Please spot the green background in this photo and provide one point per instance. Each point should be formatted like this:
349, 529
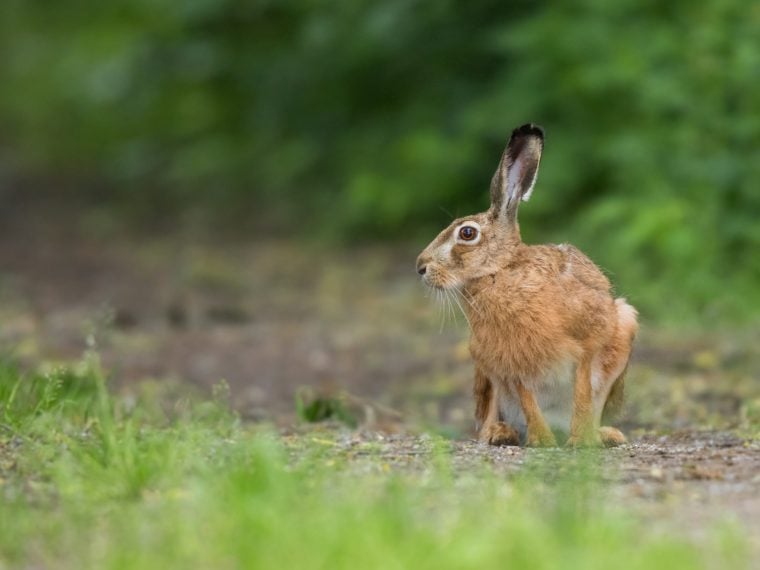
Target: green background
338, 121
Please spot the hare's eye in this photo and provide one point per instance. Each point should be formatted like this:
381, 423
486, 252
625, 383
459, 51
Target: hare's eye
468, 233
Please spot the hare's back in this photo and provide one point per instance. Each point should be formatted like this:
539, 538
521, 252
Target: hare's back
579, 266
562, 265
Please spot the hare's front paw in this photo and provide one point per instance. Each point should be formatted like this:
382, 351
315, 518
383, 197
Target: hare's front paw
499, 433
587, 439
541, 438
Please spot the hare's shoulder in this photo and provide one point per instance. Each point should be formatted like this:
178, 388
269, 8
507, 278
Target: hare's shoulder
566, 262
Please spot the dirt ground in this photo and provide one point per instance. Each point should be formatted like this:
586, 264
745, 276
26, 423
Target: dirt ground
276, 320
691, 480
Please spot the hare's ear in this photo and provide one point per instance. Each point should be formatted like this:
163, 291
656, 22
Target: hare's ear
516, 175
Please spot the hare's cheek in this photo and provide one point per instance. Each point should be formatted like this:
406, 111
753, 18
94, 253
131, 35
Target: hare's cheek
462, 256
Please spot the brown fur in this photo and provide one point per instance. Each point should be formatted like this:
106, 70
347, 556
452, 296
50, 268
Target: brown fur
614, 404
532, 308
481, 389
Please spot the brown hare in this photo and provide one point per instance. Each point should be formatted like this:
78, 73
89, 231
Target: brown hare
549, 341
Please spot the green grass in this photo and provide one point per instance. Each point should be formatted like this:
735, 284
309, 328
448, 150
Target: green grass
88, 480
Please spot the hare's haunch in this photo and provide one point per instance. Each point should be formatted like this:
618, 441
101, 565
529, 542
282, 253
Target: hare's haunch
549, 340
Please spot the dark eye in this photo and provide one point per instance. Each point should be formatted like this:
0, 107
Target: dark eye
468, 233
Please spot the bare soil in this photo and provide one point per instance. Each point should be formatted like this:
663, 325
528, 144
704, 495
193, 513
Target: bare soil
690, 480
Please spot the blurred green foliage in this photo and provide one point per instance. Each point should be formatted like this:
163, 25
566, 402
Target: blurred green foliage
366, 118
317, 409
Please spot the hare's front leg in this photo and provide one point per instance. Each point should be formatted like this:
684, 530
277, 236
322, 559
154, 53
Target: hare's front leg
539, 432
582, 429
492, 430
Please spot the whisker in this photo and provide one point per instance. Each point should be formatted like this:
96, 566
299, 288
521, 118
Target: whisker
445, 211
473, 301
439, 295
464, 314
453, 297
470, 299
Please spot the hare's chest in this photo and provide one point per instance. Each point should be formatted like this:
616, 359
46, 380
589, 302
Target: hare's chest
513, 345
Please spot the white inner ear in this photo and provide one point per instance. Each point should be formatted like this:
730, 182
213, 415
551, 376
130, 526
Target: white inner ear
529, 191
475, 225
514, 178
514, 175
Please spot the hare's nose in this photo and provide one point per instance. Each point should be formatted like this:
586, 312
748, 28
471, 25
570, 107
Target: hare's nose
422, 263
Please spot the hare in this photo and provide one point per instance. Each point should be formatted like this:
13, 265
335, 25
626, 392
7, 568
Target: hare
550, 343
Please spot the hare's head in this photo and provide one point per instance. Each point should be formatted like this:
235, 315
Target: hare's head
478, 245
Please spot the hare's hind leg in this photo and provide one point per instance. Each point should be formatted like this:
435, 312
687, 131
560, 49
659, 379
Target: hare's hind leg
592, 391
492, 430
608, 397
611, 437
582, 432
609, 407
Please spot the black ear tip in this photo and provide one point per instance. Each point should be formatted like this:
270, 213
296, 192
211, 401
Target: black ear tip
528, 129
